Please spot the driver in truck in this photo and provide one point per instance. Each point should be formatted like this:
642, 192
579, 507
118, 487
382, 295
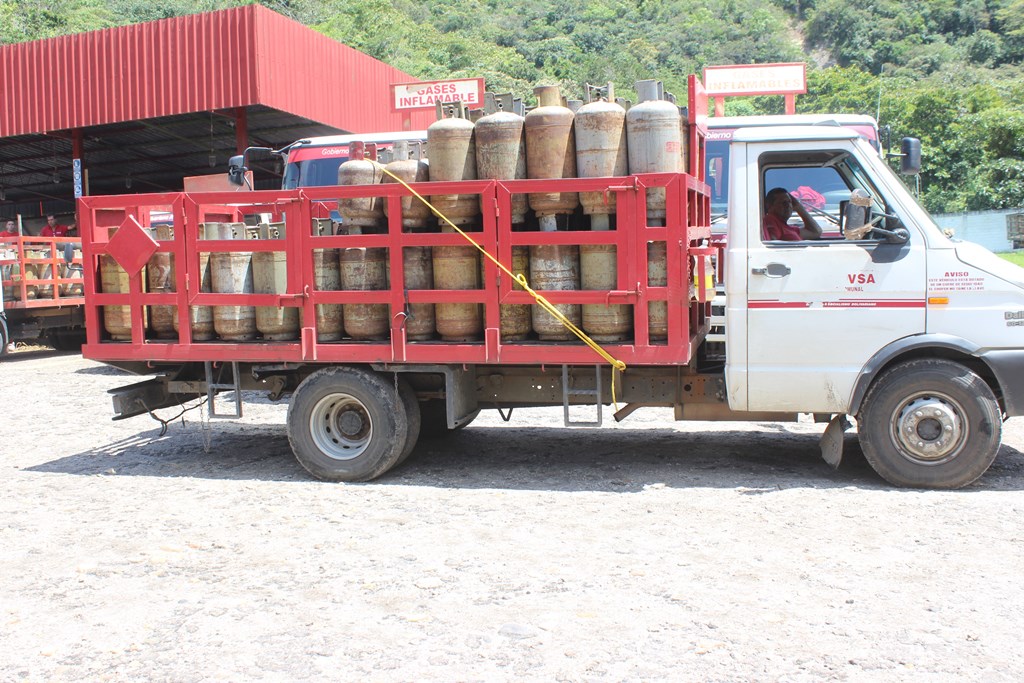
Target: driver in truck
779, 205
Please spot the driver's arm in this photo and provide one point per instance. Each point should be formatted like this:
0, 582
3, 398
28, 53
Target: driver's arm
811, 229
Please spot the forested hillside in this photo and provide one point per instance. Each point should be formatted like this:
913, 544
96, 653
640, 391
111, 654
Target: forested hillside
951, 73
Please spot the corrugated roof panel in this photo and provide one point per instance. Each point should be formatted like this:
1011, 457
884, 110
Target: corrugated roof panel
219, 60
341, 87
186, 64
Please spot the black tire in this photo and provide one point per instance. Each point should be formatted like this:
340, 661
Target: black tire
67, 340
434, 415
412, 413
930, 424
347, 424
5, 338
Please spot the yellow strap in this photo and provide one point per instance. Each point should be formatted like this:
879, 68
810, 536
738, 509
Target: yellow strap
521, 280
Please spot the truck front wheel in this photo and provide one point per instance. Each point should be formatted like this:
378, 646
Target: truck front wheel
347, 424
930, 424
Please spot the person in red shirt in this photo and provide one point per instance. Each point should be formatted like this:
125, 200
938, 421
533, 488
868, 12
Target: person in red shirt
53, 228
779, 205
10, 230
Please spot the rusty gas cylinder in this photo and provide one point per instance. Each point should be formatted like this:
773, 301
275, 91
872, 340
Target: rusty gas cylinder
160, 278
200, 317
600, 152
655, 146
417, 262
501, 154
29, 271
73, 271
550, 153
43, 271
453, 158
457, 268
364, 269
657, 276
327, 278
231, 273
364, 212
410, 168
598, 270
117, 320
516, 322
9, 272
270, 276
555, 267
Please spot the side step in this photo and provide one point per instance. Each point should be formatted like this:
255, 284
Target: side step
212, 389
568, 391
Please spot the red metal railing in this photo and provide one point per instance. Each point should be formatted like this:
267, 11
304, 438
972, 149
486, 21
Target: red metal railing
686, 233
34, 274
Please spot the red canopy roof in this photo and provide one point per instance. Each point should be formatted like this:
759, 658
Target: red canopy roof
219, 60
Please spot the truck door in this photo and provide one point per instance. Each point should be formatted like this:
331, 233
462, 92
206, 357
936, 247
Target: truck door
817, 310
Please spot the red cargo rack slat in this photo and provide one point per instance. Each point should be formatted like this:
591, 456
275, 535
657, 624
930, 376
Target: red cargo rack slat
685, 233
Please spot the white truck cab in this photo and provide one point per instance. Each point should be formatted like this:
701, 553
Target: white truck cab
918, 336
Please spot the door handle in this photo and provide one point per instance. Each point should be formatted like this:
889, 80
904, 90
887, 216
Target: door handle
773, 270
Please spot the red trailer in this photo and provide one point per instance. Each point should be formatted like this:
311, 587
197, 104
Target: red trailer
41, 296
357, 405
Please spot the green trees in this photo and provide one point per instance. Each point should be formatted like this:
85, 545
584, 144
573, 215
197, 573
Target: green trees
948, 71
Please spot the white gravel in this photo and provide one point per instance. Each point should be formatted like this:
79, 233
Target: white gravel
646, 551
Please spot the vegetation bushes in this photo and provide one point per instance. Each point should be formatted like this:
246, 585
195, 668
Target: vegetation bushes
948, 71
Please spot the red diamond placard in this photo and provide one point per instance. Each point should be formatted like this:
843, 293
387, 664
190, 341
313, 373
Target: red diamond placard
131, 246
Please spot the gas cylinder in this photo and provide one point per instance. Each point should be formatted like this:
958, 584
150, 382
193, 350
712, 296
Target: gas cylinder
550, 153
70, 271
600, 151
452, 158
654, 142
270, 276
159, 276
30, 271
457, 268
200, 317
555, 267
43, 271
327, 278
117, 320
364, 269
417, 263
364, 212
411, 169
598, 270
657, 276
231, 273
501, 151
8, 272
515, 318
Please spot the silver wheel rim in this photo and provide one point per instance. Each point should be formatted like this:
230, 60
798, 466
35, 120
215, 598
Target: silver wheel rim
929, 428
340, 426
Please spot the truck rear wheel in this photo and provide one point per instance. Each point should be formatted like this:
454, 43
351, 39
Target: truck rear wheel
412, 414
930, 424
347, 424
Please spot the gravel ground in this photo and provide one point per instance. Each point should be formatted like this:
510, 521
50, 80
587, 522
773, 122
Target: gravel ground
644, 551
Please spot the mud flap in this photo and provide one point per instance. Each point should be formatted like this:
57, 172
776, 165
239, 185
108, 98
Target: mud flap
831, 442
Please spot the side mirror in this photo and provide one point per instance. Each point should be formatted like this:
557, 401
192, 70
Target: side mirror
910, 156
238, 165
236, 170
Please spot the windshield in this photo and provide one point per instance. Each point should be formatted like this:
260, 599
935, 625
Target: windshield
312, 172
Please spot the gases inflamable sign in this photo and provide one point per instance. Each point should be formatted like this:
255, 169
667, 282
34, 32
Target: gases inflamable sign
469, 91
756, 79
